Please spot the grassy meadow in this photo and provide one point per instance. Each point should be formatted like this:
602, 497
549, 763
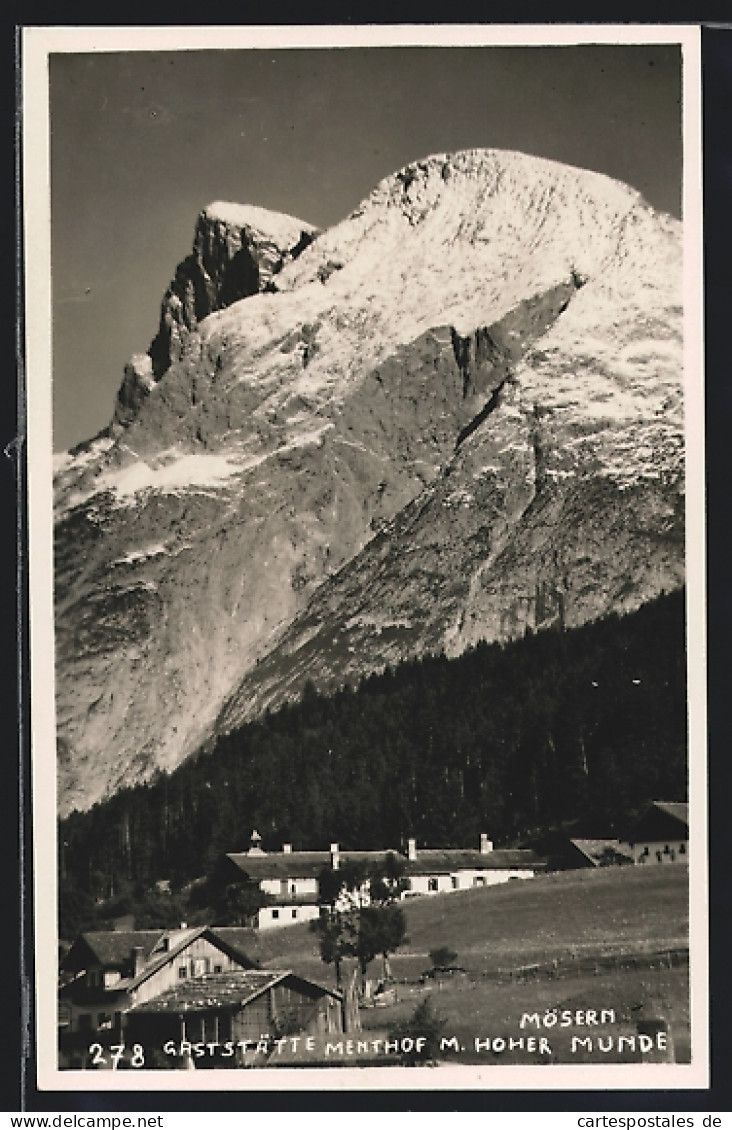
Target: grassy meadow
572, 940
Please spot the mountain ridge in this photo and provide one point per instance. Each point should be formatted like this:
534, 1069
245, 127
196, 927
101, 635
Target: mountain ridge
459, 389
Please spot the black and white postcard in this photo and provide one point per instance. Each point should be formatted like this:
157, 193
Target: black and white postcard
366, 530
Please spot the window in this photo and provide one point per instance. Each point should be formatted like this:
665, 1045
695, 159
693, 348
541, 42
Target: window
218, 967
283, 886
93, 978
454, 881
479, 881
682, 849
104, 1020
433, 883
275, 913
659, 856
294, 913
182, 972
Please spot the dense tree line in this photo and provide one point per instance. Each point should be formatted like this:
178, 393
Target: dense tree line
572, 728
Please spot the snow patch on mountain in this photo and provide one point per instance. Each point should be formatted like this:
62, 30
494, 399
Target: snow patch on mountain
187, 472
279, 226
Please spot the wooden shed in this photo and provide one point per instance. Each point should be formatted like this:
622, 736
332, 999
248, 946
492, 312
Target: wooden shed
224, 1020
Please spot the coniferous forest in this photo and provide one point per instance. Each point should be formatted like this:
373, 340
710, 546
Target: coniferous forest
565, 729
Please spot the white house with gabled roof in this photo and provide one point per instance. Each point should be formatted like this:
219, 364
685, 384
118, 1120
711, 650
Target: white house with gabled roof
290, 878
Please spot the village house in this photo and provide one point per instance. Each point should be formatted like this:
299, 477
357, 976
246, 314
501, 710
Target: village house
106, 972
660, 835
233, 1019
290, 879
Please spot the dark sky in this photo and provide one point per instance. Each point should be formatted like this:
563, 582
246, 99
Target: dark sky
141, 141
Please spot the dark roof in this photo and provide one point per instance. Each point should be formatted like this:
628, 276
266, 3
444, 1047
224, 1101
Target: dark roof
593, 850
216, 990
212, 936
662, 820
110, 948
433, 861
282, 865
679, 810
110, 944
309, 864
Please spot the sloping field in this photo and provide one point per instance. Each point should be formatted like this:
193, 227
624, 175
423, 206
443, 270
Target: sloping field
570, 913
604, 912
609, 939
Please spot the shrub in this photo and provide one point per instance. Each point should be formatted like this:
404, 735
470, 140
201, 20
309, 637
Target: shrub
424, 1024
442, 956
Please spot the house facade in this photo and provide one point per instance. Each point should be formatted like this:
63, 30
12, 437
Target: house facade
660, 835
290, 878
105, 973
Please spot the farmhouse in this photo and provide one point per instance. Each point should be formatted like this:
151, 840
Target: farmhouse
432, 871
290, 878
106, 972
660, 835
235, 1019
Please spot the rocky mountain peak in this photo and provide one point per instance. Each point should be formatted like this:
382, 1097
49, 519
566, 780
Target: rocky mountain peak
456, 415
237, 251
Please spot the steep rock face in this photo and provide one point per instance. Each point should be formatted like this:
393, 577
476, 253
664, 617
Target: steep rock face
237, 251
455, 415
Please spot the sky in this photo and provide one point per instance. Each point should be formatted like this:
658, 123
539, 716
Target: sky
141, 141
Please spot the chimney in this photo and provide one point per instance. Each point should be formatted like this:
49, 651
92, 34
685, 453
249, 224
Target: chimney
486, 845
411, 849
287, 849
138, 961
335, 857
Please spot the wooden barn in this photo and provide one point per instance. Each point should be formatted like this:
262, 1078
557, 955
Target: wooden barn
233, 1019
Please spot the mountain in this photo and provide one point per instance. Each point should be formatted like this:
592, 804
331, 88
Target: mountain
456, 415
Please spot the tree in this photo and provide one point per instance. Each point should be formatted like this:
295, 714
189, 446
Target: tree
360, 917
382, 929
386, 880
222, 902
342, 894
237, 904
334, 944
75, 910
158, 909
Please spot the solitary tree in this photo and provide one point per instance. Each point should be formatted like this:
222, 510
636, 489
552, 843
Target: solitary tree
382, 930
359, 916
